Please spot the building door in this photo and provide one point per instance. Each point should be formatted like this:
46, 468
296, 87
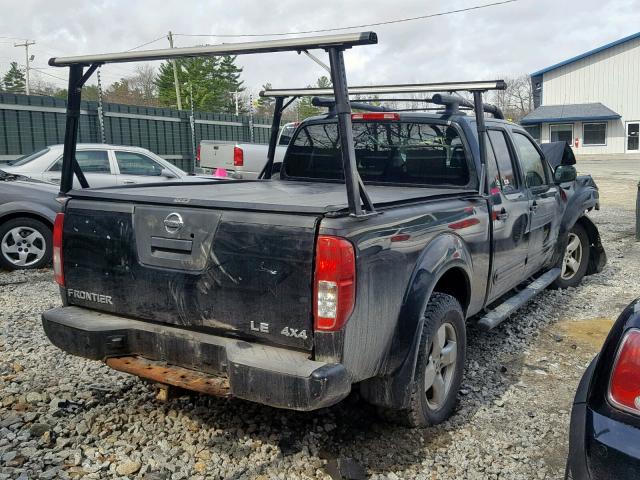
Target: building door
633, 137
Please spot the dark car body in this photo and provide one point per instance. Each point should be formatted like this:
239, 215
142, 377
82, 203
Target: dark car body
604, 441
232, 293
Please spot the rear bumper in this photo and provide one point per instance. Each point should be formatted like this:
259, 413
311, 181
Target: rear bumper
270, 375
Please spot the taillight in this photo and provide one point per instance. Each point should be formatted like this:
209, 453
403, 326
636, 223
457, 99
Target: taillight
58, 271
335, 283
624, 386
375, 116
238, 157
198, 154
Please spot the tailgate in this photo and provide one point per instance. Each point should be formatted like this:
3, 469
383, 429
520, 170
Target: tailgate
241, 274
213, 155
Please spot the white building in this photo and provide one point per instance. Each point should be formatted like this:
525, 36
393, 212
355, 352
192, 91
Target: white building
591, 100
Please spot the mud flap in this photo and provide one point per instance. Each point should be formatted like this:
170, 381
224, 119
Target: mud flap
597, 255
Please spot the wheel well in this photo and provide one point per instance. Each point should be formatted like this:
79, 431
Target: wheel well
454, 282
34, 216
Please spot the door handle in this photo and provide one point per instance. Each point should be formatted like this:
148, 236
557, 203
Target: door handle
503, 215
128, 182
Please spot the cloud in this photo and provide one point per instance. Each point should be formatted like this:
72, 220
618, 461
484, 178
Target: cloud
498, 41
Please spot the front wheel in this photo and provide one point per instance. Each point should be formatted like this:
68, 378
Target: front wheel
440, 364
575, 260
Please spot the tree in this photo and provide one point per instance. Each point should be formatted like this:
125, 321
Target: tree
305, 107
207, 83
265, 105
230, 81
14, 80
517, 100
144, 82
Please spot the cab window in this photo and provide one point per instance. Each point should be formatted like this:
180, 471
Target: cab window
535, 175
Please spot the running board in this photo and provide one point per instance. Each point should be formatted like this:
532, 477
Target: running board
502, 311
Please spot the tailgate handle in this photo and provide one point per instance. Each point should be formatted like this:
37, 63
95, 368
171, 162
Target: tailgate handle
171, 245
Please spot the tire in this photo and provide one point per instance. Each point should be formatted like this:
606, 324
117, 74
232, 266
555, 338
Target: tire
25, 243
575, 261
443, 318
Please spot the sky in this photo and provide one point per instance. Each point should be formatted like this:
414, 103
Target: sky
494, 42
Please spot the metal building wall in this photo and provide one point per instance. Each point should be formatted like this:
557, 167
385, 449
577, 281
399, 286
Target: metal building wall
29, 123
611, 77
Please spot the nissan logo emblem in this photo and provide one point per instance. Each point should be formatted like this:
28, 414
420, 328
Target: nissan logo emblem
173, 223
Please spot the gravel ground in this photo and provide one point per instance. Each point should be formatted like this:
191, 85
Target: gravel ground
64, 417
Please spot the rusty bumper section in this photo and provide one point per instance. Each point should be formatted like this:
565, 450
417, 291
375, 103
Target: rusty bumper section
167, 354
171, 375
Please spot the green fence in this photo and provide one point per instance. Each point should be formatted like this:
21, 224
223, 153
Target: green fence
29, 123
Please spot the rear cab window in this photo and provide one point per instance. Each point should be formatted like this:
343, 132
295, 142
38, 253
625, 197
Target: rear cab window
387, 152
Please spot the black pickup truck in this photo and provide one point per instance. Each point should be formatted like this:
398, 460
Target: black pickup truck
272, 291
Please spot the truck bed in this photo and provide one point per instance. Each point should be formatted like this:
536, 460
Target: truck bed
279, 196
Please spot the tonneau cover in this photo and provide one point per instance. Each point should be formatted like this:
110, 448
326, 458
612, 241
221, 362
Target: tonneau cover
280, 196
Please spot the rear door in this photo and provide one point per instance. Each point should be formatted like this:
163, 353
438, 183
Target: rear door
544, 202
135, 167
94, 164
510, 215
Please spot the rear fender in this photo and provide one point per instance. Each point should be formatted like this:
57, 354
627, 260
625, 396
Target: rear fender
445, 253
27, 209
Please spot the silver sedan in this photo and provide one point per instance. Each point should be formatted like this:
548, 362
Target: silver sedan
103, 165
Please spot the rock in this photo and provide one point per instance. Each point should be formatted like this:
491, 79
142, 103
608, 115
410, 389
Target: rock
38, 429
82, 428
51, 473
345, 468
128, 467
7, 457
33, 397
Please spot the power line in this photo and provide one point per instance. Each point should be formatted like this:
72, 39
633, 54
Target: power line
364, 25
40, 70
147, 43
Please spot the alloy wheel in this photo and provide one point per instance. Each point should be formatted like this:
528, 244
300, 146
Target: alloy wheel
23, 246
441, 366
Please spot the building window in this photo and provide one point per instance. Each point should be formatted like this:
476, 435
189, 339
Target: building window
594, 134
534, 131
561, 132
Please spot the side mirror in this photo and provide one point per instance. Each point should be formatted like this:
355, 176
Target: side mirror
564, 173
165, 172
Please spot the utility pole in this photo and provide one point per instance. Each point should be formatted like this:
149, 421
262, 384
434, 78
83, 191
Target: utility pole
175, 73
235, 95
26, 45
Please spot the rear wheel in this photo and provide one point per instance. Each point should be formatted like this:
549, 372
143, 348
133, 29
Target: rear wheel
575, 260
25, 243
440, 365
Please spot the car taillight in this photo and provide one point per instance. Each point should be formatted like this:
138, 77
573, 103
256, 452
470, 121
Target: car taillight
335, 283
58, 271
198, 154
238, 157
624, 386
375, 116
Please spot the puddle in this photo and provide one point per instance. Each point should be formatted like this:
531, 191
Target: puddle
591, 332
